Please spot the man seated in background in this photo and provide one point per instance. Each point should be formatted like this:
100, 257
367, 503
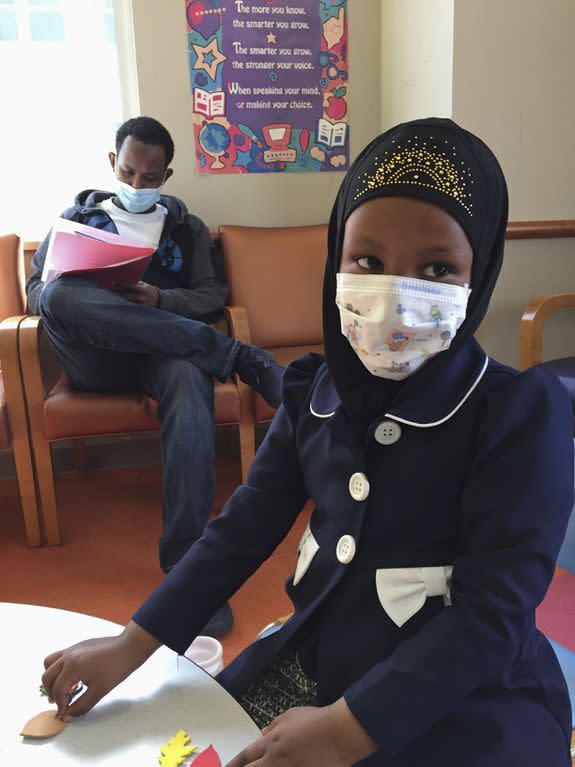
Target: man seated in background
152, 336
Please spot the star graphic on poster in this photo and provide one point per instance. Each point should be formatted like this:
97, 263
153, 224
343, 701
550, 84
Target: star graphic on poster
271, 38
209, 58
243, 158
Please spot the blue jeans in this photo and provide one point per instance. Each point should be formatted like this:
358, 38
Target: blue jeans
109, 344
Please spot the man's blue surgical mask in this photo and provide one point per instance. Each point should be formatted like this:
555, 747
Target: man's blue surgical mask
137, 200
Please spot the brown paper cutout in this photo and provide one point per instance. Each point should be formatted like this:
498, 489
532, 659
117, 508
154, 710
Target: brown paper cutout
43, 725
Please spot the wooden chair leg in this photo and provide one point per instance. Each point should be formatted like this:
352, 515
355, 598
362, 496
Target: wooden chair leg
46, 490
247, 447
12, 379
28, 338
80, 456
26, 484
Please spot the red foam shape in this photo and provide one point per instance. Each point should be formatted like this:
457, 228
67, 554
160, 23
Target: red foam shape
207, 758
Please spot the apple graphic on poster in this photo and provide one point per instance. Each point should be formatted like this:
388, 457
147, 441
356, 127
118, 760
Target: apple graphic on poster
336, 108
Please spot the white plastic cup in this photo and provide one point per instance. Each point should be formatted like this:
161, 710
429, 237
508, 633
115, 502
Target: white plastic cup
208, 653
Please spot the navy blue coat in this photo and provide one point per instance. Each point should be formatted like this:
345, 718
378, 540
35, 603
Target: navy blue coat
464, 492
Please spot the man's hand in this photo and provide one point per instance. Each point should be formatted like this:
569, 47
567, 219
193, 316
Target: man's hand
138, 292
309, 737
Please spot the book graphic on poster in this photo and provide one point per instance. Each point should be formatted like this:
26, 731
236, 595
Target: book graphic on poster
331, 134
105, 257
209, 104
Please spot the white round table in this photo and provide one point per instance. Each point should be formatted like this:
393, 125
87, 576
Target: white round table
128, 727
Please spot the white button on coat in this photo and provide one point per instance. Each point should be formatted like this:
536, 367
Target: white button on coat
387, 433
345, 550
358, 486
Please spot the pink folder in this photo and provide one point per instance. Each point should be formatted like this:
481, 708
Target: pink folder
106, 257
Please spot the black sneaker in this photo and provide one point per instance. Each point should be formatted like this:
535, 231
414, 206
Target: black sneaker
220, 623
260, 370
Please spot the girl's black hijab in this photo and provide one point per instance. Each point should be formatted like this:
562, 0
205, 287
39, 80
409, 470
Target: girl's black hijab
436, 161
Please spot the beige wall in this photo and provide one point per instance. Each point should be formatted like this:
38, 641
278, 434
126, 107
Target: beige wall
513, 65
270, 200
503, 69
416, 59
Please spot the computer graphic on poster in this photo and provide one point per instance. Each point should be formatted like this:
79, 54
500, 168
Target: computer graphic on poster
269, 85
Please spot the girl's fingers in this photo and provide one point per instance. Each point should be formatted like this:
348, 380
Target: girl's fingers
249, 755
272, 725
61, 690
51, 674
85, 702
52, 658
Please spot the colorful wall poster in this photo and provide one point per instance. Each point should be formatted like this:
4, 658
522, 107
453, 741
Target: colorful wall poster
269, 82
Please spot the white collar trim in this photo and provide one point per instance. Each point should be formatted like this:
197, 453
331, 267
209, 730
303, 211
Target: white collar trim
414, 423
455, 409
320, 415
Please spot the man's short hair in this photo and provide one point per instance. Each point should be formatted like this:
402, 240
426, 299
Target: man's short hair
148, 131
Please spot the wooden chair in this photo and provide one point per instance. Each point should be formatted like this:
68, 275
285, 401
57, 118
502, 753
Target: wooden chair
13, 422
531, 353
56, 412
275, 277
531, 339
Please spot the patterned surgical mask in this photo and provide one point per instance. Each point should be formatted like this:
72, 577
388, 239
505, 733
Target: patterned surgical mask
396, 324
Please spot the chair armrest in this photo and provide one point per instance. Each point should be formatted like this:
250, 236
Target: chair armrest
29, 344
9, 360
531, 327
18, 424
12, 382
9, 332
237, 318
222, 325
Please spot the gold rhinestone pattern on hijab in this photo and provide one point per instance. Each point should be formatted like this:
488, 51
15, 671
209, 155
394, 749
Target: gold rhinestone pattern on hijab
426, 162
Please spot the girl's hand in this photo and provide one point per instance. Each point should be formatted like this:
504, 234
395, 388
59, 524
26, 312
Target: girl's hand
100, 664
310, 737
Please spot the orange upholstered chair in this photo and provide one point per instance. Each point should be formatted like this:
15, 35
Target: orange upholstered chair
13, 422
56, 412
275, 276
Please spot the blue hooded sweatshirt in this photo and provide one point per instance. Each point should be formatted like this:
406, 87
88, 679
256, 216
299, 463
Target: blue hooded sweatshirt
186, 268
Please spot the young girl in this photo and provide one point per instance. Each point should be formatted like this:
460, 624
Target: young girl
442, 483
